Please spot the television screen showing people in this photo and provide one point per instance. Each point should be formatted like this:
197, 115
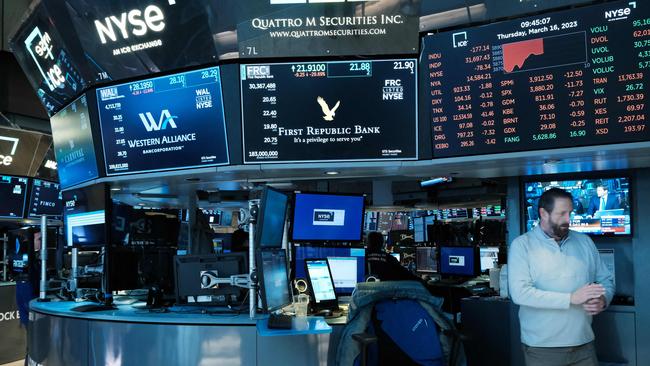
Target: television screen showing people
601, 206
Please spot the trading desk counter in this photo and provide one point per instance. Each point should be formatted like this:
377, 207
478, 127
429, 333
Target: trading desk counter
130, 336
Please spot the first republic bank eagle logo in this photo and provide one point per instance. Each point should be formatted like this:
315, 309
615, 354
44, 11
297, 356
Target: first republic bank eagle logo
328, 114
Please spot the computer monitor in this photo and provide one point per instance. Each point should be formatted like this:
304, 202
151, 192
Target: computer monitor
419, 229
344, 273
340, 270
426, 260
274, 279
13, 193
271, 219
321, 285
327, 217
195, 276
85, 216
45, 199
458, 261
489, 258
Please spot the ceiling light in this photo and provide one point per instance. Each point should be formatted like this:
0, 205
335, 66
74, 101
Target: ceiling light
332, 172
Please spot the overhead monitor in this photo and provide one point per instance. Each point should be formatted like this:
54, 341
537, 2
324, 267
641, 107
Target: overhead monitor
272, 215
555, 80
214, 216
301, 28
274, 279
458, 261
489, 258
165, 123
601, 205
347, 264
45, 199
426, 259
329, 111
52, 64
127, 39
85, 216
13, 193
74, 144
327, 217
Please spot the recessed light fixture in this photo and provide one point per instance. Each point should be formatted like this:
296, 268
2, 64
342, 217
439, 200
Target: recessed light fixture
332, 172
140, 204
115, 189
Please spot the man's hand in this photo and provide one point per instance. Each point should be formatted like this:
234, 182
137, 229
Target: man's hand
586, 293
595, 306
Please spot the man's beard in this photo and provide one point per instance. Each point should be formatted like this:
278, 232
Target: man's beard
560, 230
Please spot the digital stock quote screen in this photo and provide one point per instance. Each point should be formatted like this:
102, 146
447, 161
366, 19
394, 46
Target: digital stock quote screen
329, 111
169, 122
564, 79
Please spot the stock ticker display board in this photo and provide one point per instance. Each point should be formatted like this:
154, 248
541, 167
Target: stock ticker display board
564, 79
164, 123
329, 111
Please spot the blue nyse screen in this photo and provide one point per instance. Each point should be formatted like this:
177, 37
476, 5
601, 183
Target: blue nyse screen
323, 217
164, 123
73, 144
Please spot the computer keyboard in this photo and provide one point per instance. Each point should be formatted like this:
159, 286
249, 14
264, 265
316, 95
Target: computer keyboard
280, 321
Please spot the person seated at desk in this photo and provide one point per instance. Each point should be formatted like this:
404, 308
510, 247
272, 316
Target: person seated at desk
602, 201
381, 264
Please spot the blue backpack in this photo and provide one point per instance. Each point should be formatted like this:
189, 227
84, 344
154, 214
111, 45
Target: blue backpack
406, 335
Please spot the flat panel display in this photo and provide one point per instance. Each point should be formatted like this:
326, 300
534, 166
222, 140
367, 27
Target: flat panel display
290, 28
13, 192
21, 151
41, 46
458, 261
85, 216
272, 215
601, 206
426, 259
347, 264
169, 122
565, 79
124, 39
73, 144
489, 258
272, 265
329, 111
45, 199
325, 217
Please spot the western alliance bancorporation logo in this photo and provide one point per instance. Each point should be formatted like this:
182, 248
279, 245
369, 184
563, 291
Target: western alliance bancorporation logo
166, 119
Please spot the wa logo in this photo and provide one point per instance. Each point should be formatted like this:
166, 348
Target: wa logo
166, 119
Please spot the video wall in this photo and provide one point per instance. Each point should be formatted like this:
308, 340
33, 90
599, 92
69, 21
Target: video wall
555, 80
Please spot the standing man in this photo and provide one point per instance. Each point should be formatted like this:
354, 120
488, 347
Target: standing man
557, 278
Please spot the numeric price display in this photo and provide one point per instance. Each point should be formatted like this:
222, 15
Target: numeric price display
571, 78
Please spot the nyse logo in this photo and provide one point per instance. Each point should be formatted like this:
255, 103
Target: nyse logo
456, 260
619, 14
460, 39
135, 21
328, 217
70, 204
165, 119
393, 89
